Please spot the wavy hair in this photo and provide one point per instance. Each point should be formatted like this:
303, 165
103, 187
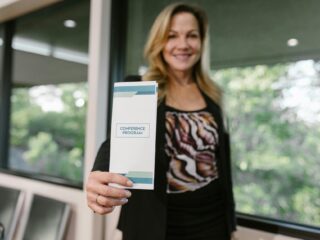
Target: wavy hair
155, 44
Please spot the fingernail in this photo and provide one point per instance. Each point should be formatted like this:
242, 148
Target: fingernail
128, 194
124, 200
129, 183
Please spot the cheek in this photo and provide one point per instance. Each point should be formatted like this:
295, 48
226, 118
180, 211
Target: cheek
167, 47
166, 52
197, 46
197, 50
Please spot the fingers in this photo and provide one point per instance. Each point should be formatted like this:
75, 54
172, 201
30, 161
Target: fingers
104, 205
106, 201
97, 186
101, 197
101, 209
114, 192
110, 202
107, 177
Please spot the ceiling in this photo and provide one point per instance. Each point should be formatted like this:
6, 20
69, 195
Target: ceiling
46, 52
10, 9
243, 33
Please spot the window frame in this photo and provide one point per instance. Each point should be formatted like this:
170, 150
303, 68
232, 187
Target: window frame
6, 86
5, 91
278, 226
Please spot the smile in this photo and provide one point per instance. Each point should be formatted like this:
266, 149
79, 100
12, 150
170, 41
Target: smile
182, 56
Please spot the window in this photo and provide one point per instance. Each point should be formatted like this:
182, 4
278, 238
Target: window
274, 120
265, 55
49, 94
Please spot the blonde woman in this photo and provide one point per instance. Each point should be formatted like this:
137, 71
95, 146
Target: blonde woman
193, 196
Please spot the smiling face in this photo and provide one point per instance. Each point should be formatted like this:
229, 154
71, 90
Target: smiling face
183, 46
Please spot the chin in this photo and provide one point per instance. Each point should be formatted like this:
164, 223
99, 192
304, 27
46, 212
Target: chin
182, 67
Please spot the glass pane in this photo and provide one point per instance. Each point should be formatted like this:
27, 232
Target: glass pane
265, 57
274, 118
49, 98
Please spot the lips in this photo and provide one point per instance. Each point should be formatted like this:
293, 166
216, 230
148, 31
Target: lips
182, 57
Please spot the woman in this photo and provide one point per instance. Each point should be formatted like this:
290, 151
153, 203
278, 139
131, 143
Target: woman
193, 191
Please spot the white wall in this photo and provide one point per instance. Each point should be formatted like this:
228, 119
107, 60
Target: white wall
98, 74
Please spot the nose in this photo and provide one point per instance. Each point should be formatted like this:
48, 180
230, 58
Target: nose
183, 42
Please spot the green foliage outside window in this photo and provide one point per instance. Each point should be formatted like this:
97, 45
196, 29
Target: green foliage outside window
47, 134
274, 121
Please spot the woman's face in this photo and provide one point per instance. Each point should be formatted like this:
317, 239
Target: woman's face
183, 47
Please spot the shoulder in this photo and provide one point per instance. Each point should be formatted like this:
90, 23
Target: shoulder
132, 78
211, 103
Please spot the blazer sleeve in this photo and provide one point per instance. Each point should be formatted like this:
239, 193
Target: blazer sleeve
229, 180
132, 78
102, 160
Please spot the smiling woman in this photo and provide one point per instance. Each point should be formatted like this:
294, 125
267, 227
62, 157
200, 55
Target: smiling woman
270, 81
192, 197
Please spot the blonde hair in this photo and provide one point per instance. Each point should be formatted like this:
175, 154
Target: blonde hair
156, 41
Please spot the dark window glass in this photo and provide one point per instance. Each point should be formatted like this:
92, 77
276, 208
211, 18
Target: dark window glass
49, 95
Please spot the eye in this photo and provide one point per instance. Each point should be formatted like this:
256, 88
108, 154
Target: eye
171, 35
193, 35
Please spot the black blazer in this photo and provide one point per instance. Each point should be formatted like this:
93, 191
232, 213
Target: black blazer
144, 216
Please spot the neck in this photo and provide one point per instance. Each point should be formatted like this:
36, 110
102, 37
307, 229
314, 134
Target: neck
180, 78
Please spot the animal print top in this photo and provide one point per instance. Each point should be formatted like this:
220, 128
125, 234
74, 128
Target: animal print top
191, 142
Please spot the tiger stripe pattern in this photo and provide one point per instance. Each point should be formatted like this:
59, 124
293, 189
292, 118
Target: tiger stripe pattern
191, 142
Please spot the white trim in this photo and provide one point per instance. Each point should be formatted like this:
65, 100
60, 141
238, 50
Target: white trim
75, 197
98, 77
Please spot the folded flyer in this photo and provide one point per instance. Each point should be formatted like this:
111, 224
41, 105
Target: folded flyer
133, 132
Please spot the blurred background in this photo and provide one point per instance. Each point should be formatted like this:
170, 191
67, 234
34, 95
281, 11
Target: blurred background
265, 55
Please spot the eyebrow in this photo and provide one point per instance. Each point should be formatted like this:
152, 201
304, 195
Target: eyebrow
192, 30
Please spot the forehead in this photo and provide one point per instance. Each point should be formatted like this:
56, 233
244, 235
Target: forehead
184, 21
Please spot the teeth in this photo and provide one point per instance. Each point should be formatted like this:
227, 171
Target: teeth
182, 57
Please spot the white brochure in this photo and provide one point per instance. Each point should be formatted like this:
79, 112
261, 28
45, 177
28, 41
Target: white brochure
133, 132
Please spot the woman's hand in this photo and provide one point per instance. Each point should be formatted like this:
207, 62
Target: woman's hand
101, 197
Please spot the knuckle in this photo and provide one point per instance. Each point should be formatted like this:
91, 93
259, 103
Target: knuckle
90, 186
108, 190
108, 176
109, 202
103, 201
122, 194
118, 194
103, 190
